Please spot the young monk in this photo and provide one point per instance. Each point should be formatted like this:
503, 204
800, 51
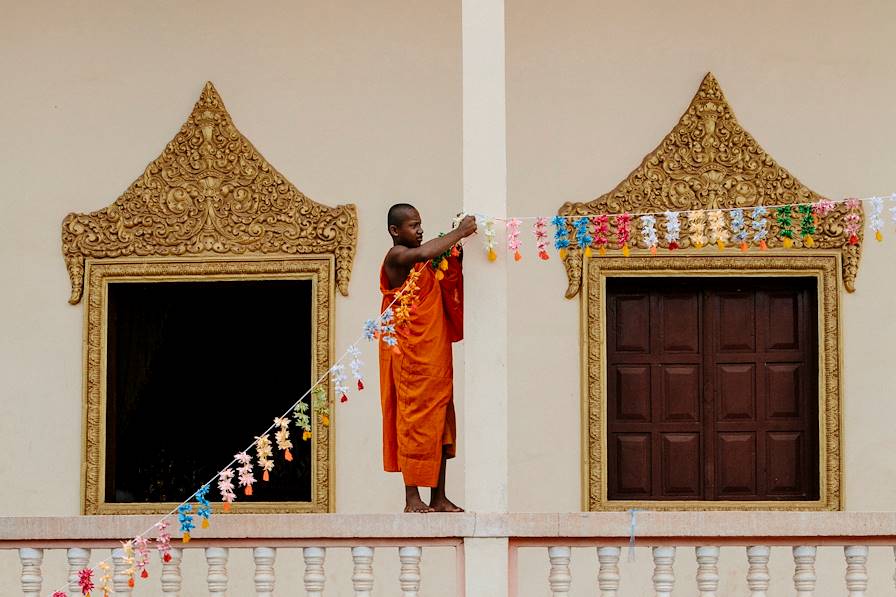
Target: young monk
416, 380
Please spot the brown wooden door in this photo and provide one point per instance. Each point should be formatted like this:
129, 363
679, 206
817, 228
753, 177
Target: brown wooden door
711, 389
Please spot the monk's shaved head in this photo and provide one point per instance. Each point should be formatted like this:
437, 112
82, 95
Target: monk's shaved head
398, 213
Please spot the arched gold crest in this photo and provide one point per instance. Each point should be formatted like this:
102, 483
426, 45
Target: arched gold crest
210, 193
709, 161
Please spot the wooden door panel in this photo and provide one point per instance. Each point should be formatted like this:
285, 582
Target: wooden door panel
681, 395
783, 320
632, 319
735, 391
783, 390
785, 463
630, 387
681, 465
736, 465
679, 314
631, 456
736, 322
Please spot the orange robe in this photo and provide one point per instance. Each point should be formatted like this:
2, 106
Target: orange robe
416, 386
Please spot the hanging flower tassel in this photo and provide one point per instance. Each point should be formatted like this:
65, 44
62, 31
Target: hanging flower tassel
85, 581
321, 406
807, 225
141, 547
303, 421
783, 216
282, 437
371, 330
489, 230
540, 229
561, 235
127, 548
739, 228
876, 218
244, 472
697, 228
513, 238
105, 578
338, 377
225, 488
601, 233
583, 234
623, 232
355, 365
718, 231
263, 453
163, 537
760, 226
185, 519
59, 594
852, 220
648, 232
203, 508
673, 229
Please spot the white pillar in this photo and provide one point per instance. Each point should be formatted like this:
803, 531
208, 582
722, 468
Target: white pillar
707, 570
663, 573
757, 574
409, 579
560, 578
264, 570
804, 570
77, 561
362, 575
856, 570
484, 438
608, 575
31, 577
314, 570
171, 578
216, 558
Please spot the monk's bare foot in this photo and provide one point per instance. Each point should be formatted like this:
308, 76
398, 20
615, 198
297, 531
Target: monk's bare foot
443, 504
415, 504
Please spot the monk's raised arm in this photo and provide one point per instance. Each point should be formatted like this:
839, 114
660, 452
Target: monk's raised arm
405, 257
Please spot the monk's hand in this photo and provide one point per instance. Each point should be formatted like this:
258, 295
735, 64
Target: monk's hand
467, 226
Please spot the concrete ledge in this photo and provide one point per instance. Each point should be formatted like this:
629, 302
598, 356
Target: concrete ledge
666, 526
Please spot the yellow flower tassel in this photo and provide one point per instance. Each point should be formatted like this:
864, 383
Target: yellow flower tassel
443, 265
562, 253
325, 420
588, 251
788, 242
720, 244
492, 256
205, 523
186, 537
879, 236
809, 241
602, 251
625, 250
439, 274
306, 435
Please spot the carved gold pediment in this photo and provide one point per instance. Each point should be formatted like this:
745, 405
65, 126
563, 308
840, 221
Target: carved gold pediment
708, 161
210, 193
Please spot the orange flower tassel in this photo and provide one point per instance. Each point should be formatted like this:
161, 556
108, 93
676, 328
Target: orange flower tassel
763, 245
517, 256
265, 476
130, 584
744, 246
287, 455
227, 506
248, 490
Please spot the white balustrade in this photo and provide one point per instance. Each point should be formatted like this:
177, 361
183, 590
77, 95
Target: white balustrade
804, 570
707, 570
362, 572
314, 570
121, 580
608, 574
559, 578
856, 570
77, 560
663, 575
264, 570
409, 579
171, 577
757, 574
31, 577
216, 558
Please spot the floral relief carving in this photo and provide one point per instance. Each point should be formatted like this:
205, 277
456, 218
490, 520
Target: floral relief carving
708, 161
210, 193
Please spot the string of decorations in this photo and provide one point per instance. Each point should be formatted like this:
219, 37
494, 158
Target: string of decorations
795, 224
136, 551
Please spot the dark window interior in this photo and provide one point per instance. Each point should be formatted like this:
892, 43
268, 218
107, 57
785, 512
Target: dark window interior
194, 371
712, 389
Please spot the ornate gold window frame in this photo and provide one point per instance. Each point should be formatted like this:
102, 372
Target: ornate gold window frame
823, 266
210, 207
709, 161
100, 273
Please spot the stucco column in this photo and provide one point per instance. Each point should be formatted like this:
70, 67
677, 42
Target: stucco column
485, 291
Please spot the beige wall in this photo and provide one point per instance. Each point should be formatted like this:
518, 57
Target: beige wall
361, 102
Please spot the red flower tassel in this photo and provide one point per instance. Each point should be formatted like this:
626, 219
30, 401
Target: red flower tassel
144, 574
360, 385
343, 399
